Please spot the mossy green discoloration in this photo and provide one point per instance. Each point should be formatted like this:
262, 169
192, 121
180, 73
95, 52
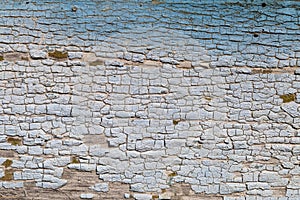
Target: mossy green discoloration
1, 58
25, 58
288, 97
176, 121
8, 175
172, 174
7, 163
208, 98
267, 71
74, 160
262, 71
58, 55
14, 141
96, 63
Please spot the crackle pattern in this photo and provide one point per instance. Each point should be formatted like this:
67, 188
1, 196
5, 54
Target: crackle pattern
150, 100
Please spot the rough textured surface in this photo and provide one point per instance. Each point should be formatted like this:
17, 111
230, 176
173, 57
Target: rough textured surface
150, 100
